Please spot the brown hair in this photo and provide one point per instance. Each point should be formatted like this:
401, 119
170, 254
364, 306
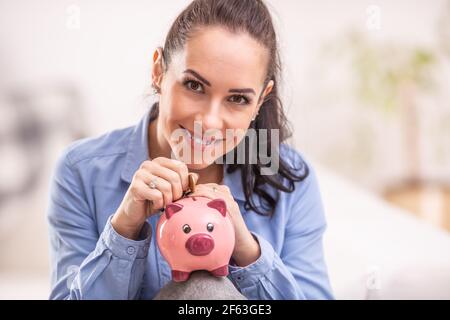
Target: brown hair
252, 17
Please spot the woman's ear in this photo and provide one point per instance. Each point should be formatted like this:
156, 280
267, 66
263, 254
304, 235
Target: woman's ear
264, 94
157, 68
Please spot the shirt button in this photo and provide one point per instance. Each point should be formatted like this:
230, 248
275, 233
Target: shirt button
131, 250
239, 278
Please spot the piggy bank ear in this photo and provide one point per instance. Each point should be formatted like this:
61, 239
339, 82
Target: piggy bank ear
219, 205
172, 208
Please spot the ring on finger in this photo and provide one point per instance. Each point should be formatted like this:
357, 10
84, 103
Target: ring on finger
152, 184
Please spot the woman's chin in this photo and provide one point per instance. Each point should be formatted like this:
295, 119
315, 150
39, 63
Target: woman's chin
197, 166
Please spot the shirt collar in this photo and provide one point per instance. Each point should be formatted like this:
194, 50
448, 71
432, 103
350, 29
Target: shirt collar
138, 152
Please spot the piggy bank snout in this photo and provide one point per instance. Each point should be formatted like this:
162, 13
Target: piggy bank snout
200, 244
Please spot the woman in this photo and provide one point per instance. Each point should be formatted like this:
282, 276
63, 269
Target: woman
219, 68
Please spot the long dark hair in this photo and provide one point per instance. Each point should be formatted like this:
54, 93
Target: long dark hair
252, 17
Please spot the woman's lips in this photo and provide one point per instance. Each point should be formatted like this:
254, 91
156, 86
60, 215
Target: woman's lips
198, 140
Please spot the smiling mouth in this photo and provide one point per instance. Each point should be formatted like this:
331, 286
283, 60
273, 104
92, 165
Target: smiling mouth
198, 140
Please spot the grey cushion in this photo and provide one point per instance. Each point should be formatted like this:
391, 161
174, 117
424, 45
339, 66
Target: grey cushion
200, 286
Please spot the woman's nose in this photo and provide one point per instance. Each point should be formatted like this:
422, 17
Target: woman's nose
213, 118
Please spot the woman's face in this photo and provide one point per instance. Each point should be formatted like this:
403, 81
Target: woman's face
213, 87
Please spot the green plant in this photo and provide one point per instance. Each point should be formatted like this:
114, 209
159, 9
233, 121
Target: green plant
383, 71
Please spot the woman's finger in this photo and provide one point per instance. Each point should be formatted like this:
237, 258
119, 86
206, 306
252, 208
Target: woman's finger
177, 166
217, 188
143, 192
159, 182
208, 192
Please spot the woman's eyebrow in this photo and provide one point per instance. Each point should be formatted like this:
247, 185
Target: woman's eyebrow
246, 90
199, 77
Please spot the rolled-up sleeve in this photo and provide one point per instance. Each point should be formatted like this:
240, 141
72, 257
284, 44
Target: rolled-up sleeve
298, 271
84, 263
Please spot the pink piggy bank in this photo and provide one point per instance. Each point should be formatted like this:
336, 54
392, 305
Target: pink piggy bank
195, 233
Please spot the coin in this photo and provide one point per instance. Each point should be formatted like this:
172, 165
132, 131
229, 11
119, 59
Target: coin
191, 182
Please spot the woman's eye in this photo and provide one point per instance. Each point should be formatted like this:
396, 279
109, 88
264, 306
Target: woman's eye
238, 99
193, 85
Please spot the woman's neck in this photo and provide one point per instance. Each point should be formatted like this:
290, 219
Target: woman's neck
159, 147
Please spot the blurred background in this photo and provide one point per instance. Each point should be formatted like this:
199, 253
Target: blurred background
366, 86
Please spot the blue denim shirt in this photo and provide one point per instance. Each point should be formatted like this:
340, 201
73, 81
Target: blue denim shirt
90, 260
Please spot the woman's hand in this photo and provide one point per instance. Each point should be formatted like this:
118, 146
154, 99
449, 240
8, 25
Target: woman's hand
246, 248
170, 178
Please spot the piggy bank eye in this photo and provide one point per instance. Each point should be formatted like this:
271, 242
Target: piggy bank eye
210, 227
186, 228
